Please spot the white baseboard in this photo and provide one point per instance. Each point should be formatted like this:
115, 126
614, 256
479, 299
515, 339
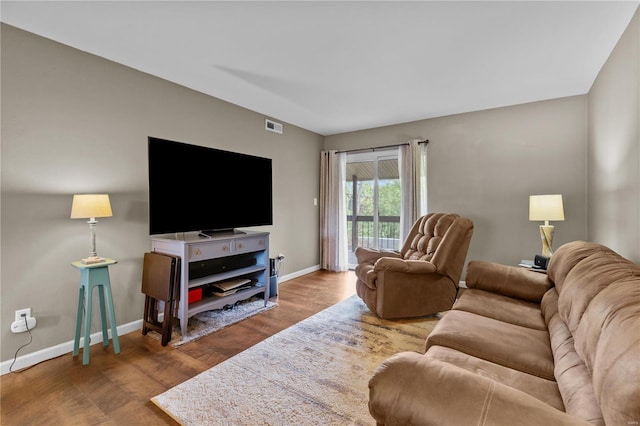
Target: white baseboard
45, 354
298, 273
34, 358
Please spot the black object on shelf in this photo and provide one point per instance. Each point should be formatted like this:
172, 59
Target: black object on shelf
273, 276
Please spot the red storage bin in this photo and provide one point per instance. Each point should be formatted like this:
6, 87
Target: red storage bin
195, 294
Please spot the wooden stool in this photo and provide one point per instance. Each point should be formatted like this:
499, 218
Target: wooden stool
91, 276
160, 283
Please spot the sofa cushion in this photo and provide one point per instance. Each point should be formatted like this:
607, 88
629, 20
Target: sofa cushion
543, 389
511, 281
585, 281
510, 345
569, 255
503, 308
411, 389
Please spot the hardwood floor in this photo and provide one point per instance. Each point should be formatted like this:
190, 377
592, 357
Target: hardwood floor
116, 389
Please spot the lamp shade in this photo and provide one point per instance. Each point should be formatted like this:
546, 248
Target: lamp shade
90, 206
546, 207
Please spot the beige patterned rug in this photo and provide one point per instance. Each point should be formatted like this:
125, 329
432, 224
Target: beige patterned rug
313, 373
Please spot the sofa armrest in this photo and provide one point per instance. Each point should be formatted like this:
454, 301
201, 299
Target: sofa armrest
511, 281
371, 255
401, 265
409, 388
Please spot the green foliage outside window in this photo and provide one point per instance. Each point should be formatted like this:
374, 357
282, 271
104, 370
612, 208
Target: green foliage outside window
389, 203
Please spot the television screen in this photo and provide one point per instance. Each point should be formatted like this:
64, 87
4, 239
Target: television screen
196, 188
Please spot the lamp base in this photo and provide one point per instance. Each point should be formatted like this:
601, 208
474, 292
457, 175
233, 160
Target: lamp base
92, 259
546, 235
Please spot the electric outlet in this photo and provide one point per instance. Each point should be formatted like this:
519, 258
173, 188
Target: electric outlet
24, 321
23, 313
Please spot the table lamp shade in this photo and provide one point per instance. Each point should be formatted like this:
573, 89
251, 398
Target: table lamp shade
546, 207
86, 206
90, 206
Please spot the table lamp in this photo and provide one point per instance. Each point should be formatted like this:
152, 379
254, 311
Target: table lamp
546, 208
91, 206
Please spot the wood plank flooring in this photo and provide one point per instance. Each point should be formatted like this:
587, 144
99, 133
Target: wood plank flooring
116, 389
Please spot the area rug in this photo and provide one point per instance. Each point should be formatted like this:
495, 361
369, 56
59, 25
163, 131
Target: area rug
208, 322
313, 373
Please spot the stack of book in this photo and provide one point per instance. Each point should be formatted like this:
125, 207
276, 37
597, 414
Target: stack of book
228, 287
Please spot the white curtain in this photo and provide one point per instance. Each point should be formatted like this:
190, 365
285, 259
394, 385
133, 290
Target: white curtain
412, 164
333, 213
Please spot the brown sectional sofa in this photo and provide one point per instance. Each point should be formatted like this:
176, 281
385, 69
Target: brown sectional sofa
526, 348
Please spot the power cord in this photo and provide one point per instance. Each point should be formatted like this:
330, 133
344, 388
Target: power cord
26, 344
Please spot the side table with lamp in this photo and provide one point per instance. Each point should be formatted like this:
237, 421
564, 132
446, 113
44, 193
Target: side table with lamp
94, 272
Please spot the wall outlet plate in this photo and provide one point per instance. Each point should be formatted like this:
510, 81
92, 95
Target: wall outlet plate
23, 313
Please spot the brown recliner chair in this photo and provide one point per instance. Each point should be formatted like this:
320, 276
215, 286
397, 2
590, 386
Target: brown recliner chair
420, 279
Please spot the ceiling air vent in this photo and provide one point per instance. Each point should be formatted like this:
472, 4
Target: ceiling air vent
272, 126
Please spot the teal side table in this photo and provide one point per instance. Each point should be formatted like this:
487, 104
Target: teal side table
91, 276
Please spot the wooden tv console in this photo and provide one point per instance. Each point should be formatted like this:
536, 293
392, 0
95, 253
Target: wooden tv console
249, 248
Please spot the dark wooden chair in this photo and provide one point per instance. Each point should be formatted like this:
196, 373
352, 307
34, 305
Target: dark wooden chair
160, 283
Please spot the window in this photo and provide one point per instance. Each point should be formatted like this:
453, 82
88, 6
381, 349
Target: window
373, 201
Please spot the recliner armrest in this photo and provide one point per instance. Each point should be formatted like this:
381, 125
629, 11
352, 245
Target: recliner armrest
371, 255
510, 281
401, 265
409, 388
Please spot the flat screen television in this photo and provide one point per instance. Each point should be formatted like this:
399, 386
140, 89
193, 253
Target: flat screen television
197, 188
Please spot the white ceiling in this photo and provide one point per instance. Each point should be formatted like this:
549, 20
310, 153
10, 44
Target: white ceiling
331, 66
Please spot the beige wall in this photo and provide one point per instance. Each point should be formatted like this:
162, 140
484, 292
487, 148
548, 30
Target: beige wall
73, 123
614, 148
485, 164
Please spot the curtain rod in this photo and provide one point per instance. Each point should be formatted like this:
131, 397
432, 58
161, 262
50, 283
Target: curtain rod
380, 148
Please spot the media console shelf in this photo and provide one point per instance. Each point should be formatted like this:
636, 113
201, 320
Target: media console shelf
215, 259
